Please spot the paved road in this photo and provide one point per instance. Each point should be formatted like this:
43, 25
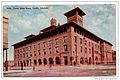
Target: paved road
65, 71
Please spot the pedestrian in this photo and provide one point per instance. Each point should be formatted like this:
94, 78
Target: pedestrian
33, 68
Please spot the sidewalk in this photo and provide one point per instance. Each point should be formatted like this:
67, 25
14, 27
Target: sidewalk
58, 68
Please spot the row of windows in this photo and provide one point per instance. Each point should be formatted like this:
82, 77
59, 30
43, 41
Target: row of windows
39, 62
86, 42
57, 61
44, 51
44, 45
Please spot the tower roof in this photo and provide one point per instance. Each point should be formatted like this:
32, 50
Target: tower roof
73, 12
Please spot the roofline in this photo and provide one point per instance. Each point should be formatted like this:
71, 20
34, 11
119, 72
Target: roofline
70, 23
73, 10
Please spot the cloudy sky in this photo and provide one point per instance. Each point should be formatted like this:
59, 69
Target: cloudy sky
99, 19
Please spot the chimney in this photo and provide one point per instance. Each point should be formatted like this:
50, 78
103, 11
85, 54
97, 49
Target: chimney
53, 22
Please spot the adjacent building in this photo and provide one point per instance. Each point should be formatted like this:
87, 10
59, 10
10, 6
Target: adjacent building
62, 45
5, 40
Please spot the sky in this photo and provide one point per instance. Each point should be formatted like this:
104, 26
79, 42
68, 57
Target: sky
100, 19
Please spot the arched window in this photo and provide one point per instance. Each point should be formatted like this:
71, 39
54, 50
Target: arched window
81, 60
57, 60
35, 62
90, 60
40, 62
45, 61
50, 61
86, 60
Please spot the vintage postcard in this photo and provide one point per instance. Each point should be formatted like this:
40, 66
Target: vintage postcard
59, 40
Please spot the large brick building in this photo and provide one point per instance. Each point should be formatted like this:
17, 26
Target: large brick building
67, 44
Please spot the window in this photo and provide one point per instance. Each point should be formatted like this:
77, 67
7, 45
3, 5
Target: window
65, 39
43, 44
81, 60
18, 51
75, 48
56, 41
81, 48
50, 50
34, 46
89, 51
50, 61
45, 61
39, 52
65, 47
35, 62
57, 60
38, 45
49, 43
57, 50
34, 53
40, 62
27, 54
85, 50
44, 51
21, 50
30, 54
75, 38
30, 48
80, 40
89, 43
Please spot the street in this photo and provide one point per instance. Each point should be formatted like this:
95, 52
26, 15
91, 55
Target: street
64, 71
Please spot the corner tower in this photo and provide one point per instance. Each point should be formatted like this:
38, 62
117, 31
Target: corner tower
75, 15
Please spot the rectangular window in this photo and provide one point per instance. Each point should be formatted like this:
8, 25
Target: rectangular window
65, 47
18, 51
30, 48
89, 43
89, 51
39, 45
80, 40
34, 46
49, 43
57, 50
23, 54
43, 44
56, 41
44, 51
75, 38
81, 48
39, 52
75, 48
34, 53
30, 54
65, 39
50, 50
